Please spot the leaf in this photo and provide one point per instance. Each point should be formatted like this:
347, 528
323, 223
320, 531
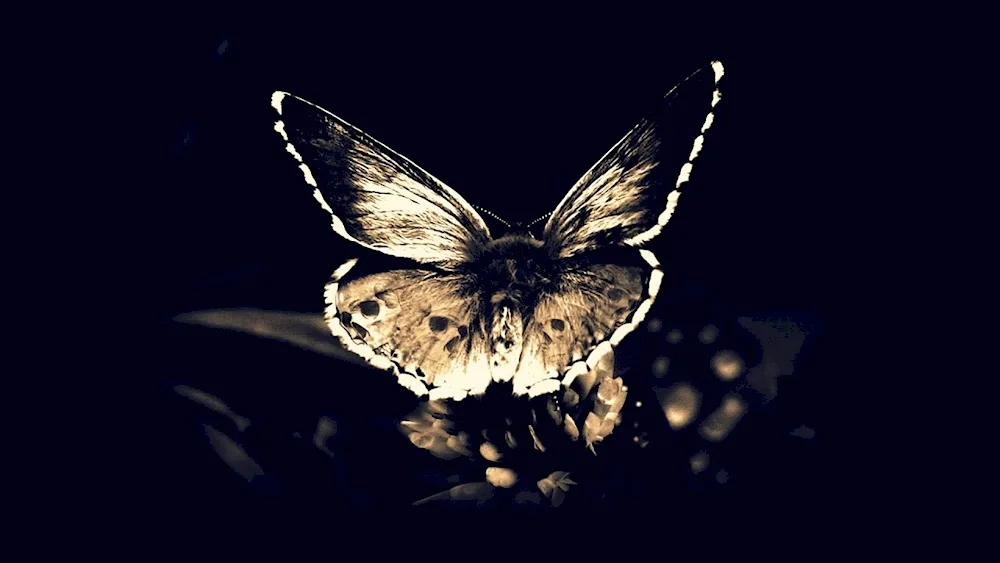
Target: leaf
304, 330
478, 491
214, 403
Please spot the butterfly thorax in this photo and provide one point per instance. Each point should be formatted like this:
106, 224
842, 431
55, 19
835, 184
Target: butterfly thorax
512, 270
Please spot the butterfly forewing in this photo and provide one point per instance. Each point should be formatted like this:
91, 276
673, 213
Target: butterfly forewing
378, 198
629, 195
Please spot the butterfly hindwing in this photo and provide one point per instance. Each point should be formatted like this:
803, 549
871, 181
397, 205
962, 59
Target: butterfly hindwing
428, 324
377, 197
629, 195
567, 326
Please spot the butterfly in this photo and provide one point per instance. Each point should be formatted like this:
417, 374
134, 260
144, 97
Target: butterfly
460, 310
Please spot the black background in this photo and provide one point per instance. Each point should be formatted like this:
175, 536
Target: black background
509, 110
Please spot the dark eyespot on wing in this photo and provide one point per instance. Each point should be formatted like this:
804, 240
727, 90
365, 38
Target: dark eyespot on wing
450, 346
463, 331
558, 325
437, 324
369, 309
615, 294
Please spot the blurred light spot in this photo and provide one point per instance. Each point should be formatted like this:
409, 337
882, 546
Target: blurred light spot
804, 432
438, 446
233, 454
221, 49
452, 479
490, 452
442, 424
660, 366
501, 477
509, 438
421, 440
638, 404
722, 476
296, 435
640, 441
699, 462
727, 365
459, 444
325, 429
718, 424
538, 443
438, 407
674, 336
680, 404
569, 426
654, 325
708, 334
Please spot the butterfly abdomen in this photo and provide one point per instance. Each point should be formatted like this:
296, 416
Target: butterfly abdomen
506, 334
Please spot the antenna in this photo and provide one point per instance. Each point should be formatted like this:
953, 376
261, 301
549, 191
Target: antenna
491, 214
546, 216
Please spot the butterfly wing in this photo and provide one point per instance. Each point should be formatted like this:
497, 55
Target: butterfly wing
623, 200
630, 194
424, 326
571, 329
378, 198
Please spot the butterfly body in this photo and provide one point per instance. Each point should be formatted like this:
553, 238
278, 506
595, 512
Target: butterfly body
515, 270
463, 310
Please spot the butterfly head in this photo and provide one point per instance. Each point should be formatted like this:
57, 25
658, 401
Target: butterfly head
507, 228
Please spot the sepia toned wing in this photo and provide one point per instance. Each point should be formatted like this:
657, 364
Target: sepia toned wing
571, 329
630, 194
378, 198
424, 326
